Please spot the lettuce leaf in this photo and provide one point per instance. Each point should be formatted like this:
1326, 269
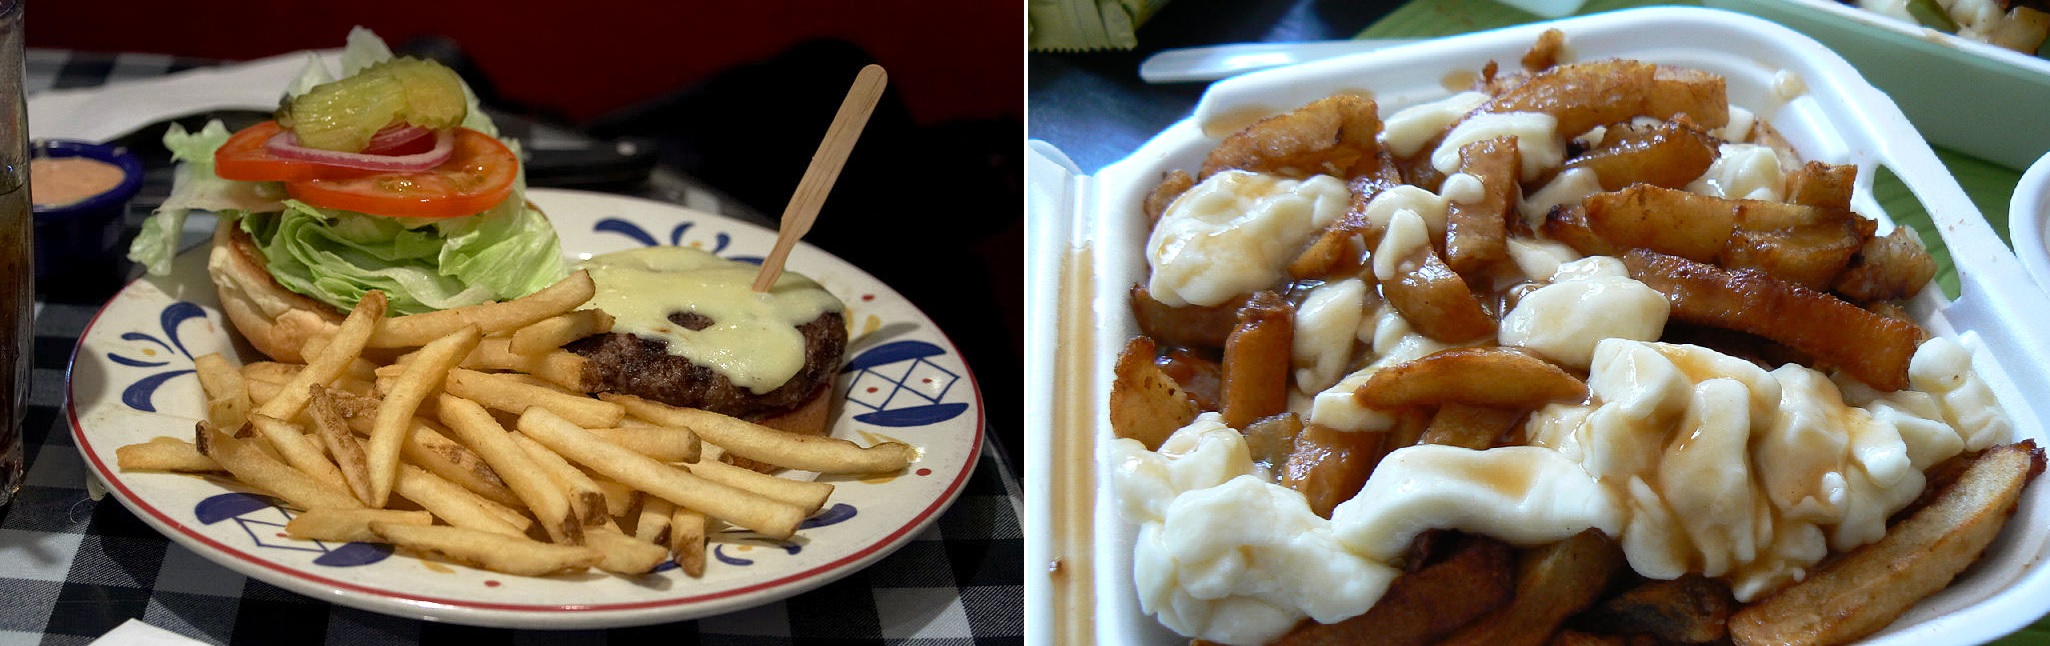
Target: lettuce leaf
195, 187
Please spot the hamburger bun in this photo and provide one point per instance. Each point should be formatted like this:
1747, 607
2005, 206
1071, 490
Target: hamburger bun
277, 321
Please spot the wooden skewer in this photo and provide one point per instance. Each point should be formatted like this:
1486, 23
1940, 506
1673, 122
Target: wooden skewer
825, 168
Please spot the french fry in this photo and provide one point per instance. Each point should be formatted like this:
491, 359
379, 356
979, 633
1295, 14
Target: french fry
333, 360
457, 506
253, 468
1256, 361
1494, 376
271, 371
349, 525
1329, 466
227, 396
428, 447
292, 445
619, 497
755, 442
807, 496
753, 511
687, 540
1692, 609
491, 551
1552, 582
1476, 232
490, 318
502, 393
1197, 326
395, 413
586, 500
164, 454
1437, 301
1424, 606
342, 444
479, 431
552, 333
624, 554
1871, 586
665, 444
652, 524
1669, 155
1332, 136
1146, 404
1473, 427
561, 367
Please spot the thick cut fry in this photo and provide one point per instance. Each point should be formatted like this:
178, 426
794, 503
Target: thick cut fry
422, 377
1870, 347
349, 525
687, 540
1824, 185
1692, 609
458, 506
340, 352
1477, 230
769, 517
1890, 267
1194, 326
1257, 360
561, 367
501, 392
1172, 185
252, 467
1146, 404
1670, 155
807, 496
1867, 589
1331, 136
1695, 227
1494, 376
491, 551
665, 444
491, 318
625, 554
760, 443
552, 333
1270, 440
292, 445
1809, 256
164, 454
1424, 606
1437, 302
1552, 583
1329, 466
227, 396
1467, 426
1567, 223
586, 500
1592, 93
548, 501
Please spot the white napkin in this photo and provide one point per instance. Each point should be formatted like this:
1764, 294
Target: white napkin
135, 633
106, 112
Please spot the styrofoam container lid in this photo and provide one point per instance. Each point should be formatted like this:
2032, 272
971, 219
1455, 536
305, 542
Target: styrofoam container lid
1093, 226
2028, 222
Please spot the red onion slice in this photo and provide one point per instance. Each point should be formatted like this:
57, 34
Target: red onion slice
285, 145
398, 138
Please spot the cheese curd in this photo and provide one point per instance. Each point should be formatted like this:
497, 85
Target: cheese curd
1943, 368
1728, 470
1393, 341
1538, 142
1326, 325
1406, 132
1235, 233
1589, 300
1742, 171
1225, 555
1569, 187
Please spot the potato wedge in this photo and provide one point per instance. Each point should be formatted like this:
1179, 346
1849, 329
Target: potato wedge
1867, 589
1491, 376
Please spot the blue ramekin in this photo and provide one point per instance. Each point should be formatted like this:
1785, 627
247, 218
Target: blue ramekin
84, 235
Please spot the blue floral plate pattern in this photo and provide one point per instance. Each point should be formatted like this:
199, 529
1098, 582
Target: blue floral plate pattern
132, 379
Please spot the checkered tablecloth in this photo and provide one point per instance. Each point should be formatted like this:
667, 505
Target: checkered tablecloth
73, 568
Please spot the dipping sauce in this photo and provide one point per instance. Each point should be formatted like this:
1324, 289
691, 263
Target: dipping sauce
57, 181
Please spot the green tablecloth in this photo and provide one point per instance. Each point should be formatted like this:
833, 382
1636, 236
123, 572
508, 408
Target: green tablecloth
1988, 184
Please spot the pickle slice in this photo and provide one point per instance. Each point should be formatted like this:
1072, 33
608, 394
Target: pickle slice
343, 115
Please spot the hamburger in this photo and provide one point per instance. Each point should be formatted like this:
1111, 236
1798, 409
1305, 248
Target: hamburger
387, 178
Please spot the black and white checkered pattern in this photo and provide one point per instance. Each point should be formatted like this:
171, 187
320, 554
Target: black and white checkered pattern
73, 568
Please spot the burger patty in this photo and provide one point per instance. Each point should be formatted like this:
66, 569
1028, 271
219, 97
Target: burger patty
631, 365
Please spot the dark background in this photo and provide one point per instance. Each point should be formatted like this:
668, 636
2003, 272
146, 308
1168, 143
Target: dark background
736, 95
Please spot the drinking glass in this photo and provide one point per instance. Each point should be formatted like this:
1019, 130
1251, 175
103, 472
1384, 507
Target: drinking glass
17, 264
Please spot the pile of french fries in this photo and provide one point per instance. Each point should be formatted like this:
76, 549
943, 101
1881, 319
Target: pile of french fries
467, 434
1804, 280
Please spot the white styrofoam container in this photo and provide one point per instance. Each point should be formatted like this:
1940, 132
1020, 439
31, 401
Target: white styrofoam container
1094, 223
2028, 221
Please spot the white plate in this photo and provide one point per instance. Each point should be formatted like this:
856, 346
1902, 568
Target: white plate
131, 380
1087, 233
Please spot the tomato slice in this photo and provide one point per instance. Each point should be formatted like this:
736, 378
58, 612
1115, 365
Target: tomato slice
245, 159
477, 176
